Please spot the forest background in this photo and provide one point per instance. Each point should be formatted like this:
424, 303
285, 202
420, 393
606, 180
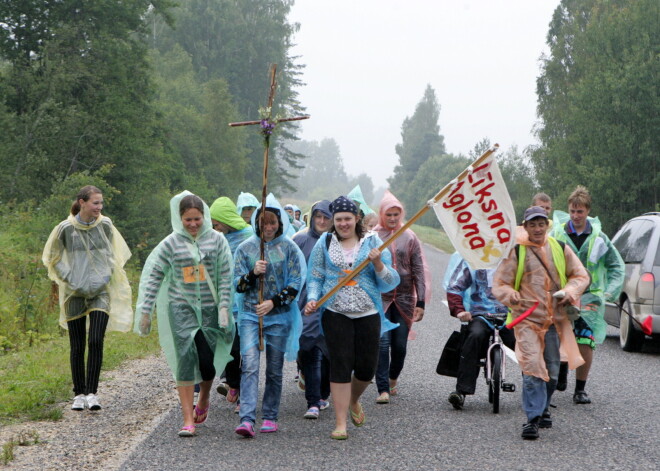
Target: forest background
135, 96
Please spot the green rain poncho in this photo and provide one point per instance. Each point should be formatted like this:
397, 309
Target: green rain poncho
224, 210
605, 266
178, 278
87, 261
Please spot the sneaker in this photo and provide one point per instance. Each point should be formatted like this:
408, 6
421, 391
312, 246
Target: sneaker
237, 409
530, 430
246, 429
93, 402
383, 398
268, 426
581, 397
546, 420
323, 404
312, 413
79, 402
562, 380
223, 389
457, 400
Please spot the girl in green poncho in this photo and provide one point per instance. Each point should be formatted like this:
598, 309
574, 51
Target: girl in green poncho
188, 278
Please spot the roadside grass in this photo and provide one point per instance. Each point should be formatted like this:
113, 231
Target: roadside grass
435, 237
34, 381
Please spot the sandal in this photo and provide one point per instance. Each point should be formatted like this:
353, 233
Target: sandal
200, 415
187, 431
394, 390
339, 435
383, 398
357, 418
232, 395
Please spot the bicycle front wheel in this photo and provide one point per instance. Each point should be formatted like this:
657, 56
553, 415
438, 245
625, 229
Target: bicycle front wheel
495, 379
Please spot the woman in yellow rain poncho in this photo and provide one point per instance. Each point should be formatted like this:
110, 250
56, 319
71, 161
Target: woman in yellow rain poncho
188, 278
85, 255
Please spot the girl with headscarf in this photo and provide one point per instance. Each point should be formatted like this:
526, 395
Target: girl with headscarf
283, 270
85, 255
187, 278
353, 319
405, 304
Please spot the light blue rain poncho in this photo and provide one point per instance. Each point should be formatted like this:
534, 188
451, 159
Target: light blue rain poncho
286, 269
188, 281
605, 266
474, 286
356, 195
246, 200
324, 275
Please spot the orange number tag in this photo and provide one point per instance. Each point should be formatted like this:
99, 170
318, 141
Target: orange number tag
194, 274
352, 282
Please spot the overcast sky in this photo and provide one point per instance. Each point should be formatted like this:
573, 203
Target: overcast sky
368, 63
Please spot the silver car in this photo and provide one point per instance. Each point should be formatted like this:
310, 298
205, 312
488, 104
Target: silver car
638, 242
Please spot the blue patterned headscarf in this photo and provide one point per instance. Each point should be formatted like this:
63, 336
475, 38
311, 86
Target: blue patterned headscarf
343, 205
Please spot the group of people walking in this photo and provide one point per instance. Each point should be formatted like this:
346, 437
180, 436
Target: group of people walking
234, 280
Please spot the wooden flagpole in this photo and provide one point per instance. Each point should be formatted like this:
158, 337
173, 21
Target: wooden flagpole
403, 228
267, 127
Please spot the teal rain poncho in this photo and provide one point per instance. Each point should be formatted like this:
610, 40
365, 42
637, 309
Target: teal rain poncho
246, 200
356, 196
605, 267
178, 278
286, 268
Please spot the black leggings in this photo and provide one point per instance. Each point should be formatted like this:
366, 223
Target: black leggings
353, 346
98, 321
205, 355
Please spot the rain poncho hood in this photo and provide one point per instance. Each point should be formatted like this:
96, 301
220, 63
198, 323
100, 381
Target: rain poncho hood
286, 268
88, 261
605, 266
537, 284
225, 211
408, 260
356, 195
324, 275
188, 281
246, 200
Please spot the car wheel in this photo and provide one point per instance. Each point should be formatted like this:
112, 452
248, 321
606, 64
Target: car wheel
630, 339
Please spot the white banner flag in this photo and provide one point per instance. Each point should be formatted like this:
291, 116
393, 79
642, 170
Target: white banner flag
478, 216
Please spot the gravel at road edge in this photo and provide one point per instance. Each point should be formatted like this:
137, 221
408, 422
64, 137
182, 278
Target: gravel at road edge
135, 398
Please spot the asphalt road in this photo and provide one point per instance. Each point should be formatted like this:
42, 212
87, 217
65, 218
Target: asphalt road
420, 430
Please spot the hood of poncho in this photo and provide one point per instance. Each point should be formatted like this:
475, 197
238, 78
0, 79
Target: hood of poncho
274, 206
389, 201
224, 210
177, 224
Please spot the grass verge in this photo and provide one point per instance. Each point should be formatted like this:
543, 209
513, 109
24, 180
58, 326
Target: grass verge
34, 381
435, 237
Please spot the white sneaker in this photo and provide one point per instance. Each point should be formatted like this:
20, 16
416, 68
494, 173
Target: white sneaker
93, 402
79, 402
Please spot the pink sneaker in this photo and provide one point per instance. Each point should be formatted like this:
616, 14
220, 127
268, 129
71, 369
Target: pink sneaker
246, 429
268, 426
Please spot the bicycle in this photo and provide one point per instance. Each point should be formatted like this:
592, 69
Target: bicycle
495, 366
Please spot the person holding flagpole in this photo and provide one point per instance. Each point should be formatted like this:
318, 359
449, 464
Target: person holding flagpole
353, 319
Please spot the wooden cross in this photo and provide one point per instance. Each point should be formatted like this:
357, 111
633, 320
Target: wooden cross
267, 126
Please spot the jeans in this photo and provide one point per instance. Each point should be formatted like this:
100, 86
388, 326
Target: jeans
537, 393
390, 365
473, 349
315, 367
275, 344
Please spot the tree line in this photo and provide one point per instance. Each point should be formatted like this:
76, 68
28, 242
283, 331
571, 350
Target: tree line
599, 116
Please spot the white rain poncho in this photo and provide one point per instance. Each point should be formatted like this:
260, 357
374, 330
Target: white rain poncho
286, 268
87, 261
178, 279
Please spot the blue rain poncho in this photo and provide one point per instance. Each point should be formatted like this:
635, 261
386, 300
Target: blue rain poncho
246, 200
188, 281
324, 275
87, 261
286, 268
605, 266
